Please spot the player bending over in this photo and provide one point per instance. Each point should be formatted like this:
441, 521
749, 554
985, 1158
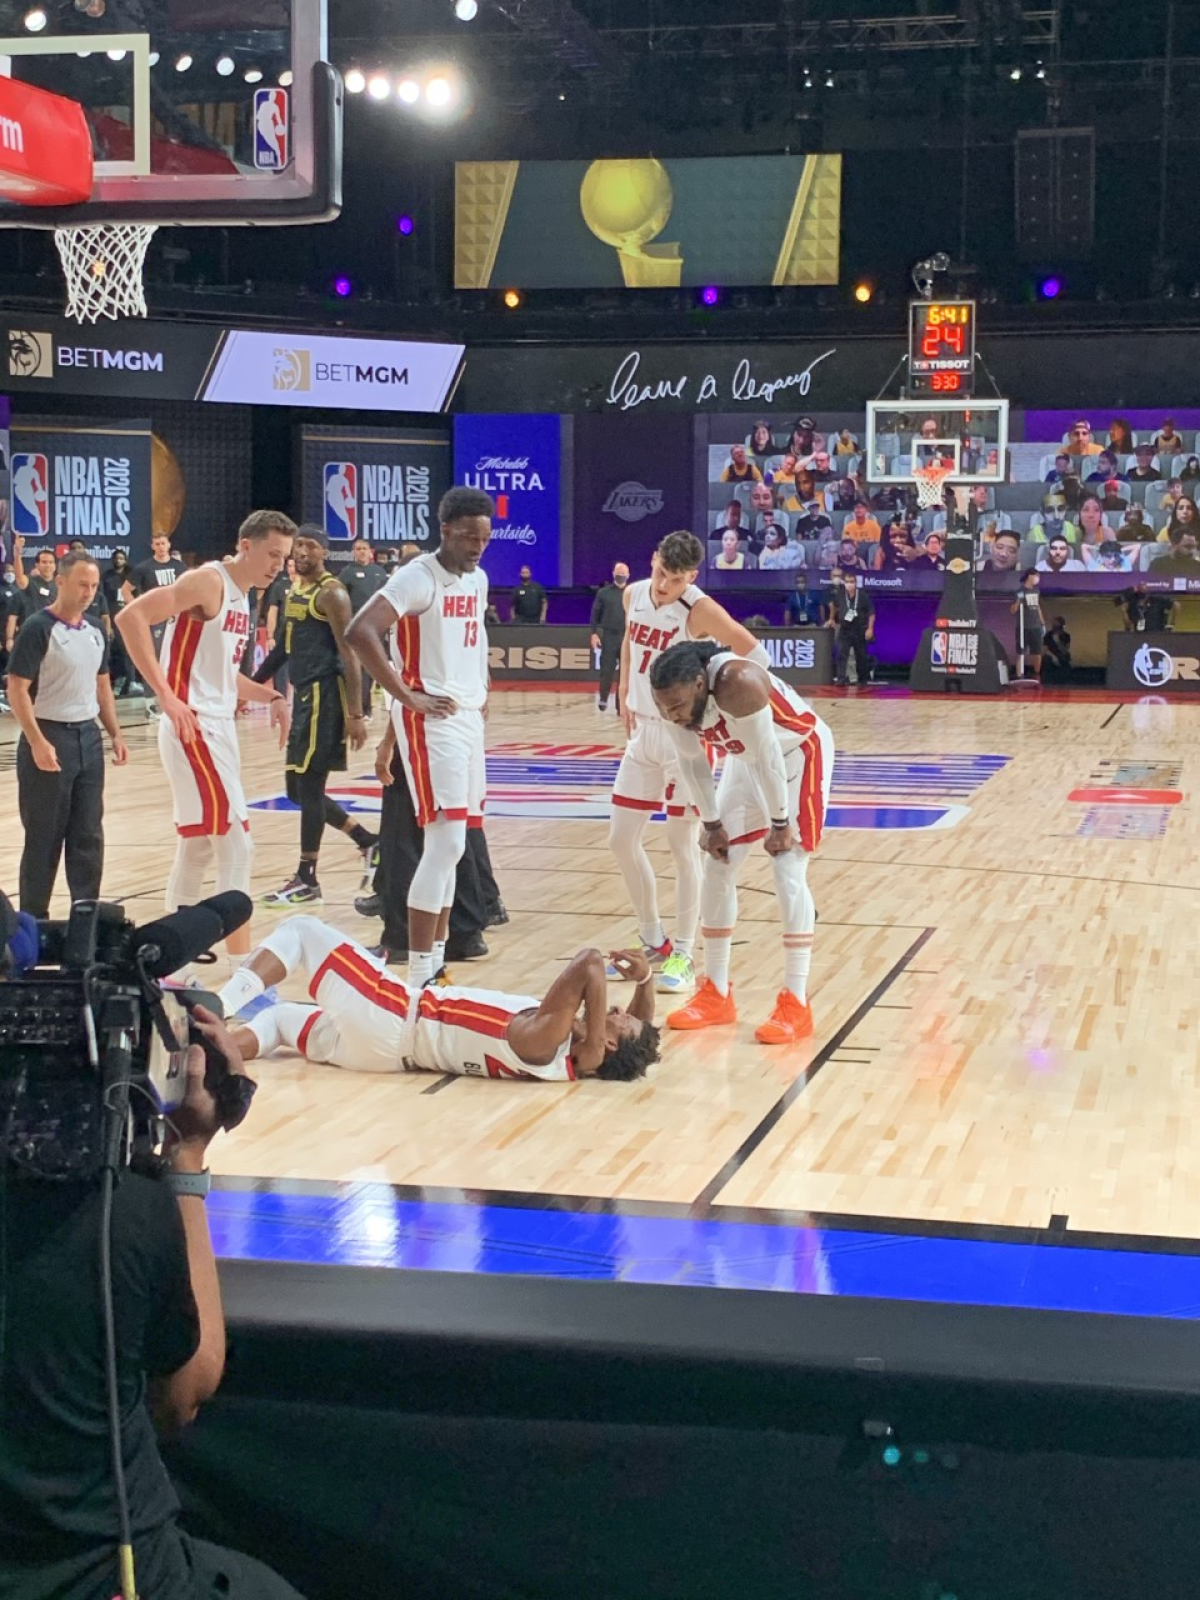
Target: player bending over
358, 1021
659, 611
778, 759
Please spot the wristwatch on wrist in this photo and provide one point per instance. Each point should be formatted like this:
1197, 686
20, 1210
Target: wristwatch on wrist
190, 1185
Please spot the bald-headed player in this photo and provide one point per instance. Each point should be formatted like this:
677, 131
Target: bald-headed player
327, 709
659, 611
362, 1019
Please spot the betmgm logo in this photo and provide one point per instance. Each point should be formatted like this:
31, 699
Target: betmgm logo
30, 355
1153, 667
291, 371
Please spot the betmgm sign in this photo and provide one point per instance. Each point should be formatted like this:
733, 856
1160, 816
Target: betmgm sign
1154, 663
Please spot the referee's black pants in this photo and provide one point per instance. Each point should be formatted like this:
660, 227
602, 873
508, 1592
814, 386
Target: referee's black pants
401, 841
610, 657
60, 811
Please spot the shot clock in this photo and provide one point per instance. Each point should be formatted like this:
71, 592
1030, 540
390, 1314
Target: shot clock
941, 348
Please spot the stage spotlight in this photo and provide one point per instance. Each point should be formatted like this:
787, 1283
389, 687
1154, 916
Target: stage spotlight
409, 90
35, 20
439, 91
115, 55
829, 80
863, 292
284, 80
379, 88
466, 10
153, 58
225, 65
343, 288
1049, 288
710, 295
356, 81
253, 75
405, 225
1041, 71
1015, 74
513, 298
183, 62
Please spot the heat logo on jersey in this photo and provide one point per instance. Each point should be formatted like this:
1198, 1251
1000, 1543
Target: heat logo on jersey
341, 500
272, 130
30, 495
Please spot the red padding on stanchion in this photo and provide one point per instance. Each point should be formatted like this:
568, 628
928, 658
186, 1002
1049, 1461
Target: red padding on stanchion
45, 147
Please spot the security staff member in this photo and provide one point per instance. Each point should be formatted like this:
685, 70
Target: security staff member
362, 578
58, 683
608, 629
852, 615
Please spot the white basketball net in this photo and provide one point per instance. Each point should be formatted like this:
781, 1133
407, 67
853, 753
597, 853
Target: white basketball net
103, 266
931, 483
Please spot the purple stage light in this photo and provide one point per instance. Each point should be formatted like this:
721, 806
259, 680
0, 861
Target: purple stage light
343, 288
405, 225
1050, 288
710, 295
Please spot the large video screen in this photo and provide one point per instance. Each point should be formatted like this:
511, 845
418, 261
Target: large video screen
1098, 502
647, 224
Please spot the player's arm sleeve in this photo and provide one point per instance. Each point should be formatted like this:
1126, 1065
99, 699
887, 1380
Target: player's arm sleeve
411, 590
765, 758
274, 659
694, 771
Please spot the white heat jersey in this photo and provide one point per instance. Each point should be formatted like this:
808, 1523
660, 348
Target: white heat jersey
202, 658
793, 717
651, 630
440, 644
465, 1031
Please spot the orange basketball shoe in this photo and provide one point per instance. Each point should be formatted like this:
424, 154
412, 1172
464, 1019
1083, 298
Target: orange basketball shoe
790, 1020
708, 1008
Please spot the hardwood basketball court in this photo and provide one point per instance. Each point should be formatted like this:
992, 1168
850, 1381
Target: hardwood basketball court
1003, 980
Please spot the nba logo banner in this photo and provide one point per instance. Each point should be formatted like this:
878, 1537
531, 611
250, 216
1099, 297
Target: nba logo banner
938, 652
30, 495
272, 130
341, 500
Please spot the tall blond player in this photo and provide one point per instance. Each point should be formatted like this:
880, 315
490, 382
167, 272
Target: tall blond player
198, 681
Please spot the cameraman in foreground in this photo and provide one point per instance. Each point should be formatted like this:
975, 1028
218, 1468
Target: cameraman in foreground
58, 1519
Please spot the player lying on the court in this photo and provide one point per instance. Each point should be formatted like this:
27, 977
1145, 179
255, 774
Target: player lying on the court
774, 785
361, 1017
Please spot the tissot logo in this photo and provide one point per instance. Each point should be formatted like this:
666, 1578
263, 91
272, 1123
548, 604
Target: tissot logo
30, 355
632, 501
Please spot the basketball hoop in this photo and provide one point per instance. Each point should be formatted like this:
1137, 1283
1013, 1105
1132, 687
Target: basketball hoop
103, 265
931, 483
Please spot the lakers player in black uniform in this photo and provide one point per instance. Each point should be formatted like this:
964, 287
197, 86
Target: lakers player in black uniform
326, 714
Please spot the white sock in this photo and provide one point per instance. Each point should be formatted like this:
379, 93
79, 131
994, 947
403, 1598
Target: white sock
420, 969
265, 1028
243, 987
797, 958
439, 954
684, 947
656, 937
716, 959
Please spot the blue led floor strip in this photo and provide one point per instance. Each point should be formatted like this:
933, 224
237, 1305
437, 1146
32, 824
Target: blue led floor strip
368, 1225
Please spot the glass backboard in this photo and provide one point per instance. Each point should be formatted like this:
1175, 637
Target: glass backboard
905, 435
201, 111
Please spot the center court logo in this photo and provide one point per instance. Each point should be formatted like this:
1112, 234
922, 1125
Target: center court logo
30, 355
291, 371
31, 495
632, 501
341, 500
1153, 666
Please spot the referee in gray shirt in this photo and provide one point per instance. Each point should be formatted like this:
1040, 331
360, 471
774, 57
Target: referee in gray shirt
58, 684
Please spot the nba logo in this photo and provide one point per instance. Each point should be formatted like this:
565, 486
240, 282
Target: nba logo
341, 500
31, 495
937, 652
272, 130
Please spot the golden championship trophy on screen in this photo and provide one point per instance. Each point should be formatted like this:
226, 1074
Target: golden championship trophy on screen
626, 204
